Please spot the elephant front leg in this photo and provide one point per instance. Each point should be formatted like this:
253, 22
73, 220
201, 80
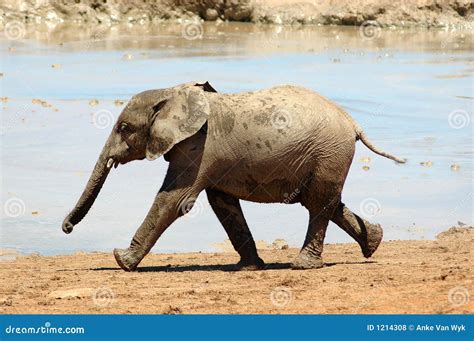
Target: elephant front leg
366, 234
165, 210
229, 213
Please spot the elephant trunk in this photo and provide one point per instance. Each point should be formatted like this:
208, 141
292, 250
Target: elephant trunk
96, 180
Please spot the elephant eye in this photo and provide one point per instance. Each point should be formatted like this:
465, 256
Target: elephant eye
124, 128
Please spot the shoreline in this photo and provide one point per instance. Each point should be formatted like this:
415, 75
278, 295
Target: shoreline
385, 13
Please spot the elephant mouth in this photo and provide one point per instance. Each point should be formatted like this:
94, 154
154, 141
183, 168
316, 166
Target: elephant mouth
112, 162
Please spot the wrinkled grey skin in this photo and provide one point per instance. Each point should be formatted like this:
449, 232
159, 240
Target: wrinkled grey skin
285, 144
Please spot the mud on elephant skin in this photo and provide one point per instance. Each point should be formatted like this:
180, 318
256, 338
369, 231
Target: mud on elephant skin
256, 146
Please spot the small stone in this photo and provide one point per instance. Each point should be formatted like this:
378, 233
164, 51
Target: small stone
127, 56
93, 102
34, 212
366, 168
4, 99
280, 244
455, 167
211, 14
365, 159
426, 163
8, 302
118, 102
56, 66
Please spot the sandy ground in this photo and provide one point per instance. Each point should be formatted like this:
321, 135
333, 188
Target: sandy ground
402, 277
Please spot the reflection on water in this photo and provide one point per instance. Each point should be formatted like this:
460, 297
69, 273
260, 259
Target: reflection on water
411, 91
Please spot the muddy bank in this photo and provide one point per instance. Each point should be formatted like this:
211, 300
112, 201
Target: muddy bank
402, 277
399, 13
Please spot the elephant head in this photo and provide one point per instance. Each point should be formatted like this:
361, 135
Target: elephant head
149, 126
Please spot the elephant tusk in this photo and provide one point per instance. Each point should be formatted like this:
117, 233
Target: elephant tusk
110, 162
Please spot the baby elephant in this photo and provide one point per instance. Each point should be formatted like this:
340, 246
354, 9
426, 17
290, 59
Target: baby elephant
285, 144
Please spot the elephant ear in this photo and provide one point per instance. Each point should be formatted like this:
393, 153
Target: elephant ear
178, 117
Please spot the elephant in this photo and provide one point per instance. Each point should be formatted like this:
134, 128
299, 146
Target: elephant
285, 144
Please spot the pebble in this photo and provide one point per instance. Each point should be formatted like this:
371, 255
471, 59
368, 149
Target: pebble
366, 168
280, 244
118, 102
56, 66
365, 159
455, 167
127, 56
426, 163
93, 102
4, 99
41, 102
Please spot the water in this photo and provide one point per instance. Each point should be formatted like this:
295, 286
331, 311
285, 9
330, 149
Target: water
411, 91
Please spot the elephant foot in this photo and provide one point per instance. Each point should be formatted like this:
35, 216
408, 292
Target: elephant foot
125, 259
250, 265
307, 261
374, 238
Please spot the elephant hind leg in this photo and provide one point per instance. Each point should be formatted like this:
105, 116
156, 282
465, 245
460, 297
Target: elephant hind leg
310, 254
366, 234
228, 211
321, 205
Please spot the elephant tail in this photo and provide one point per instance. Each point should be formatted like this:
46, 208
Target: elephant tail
365, 140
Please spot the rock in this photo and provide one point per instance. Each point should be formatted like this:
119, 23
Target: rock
72, 293
280, 244
426, 163
455, 167
211, 14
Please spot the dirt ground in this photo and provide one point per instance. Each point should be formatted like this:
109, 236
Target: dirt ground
402, 277
400, 13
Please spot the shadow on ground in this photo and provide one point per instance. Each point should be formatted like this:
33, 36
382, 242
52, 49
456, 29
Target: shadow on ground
225, 267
